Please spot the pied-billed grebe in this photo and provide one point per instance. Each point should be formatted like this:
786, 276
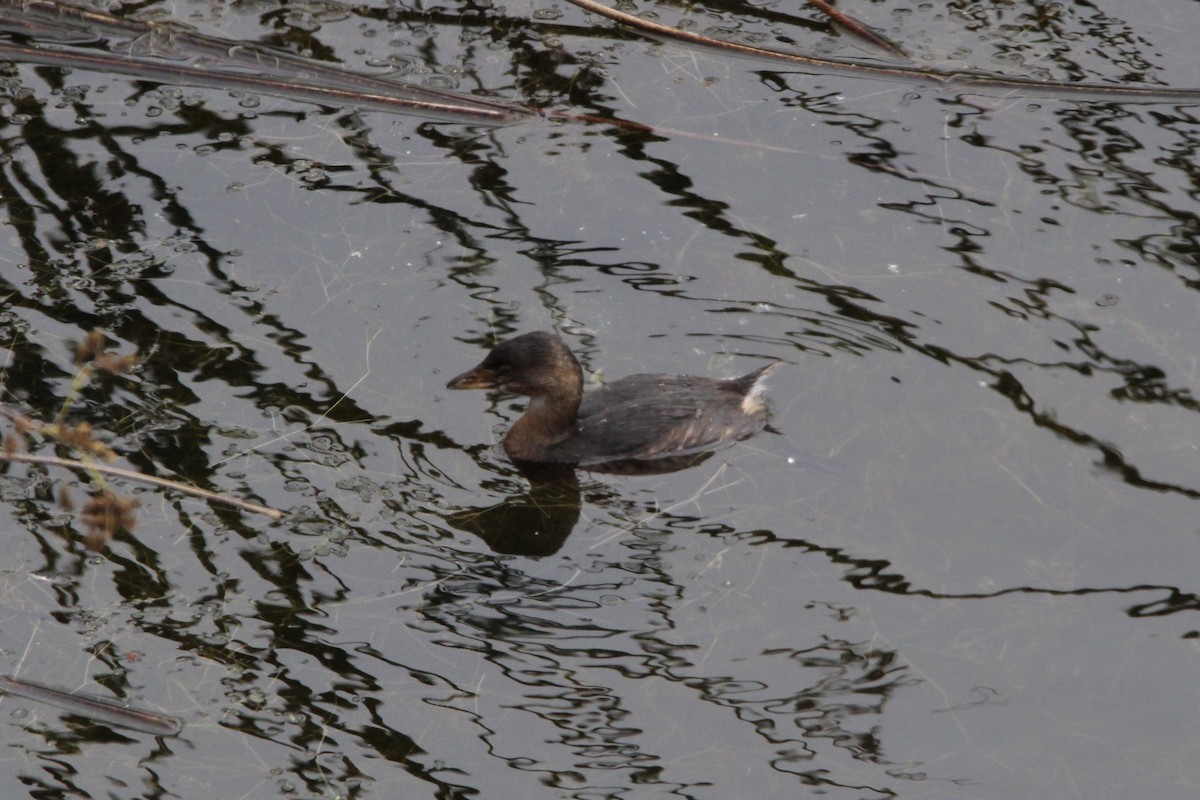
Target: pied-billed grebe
639, 418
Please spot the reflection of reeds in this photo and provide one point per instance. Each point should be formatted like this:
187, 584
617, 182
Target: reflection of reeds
105, 512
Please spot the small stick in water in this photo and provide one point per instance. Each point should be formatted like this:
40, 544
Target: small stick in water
94, 708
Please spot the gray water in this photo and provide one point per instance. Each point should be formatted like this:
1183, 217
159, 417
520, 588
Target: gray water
960, 564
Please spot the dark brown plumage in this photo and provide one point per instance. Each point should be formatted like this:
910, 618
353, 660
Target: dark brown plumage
639, 418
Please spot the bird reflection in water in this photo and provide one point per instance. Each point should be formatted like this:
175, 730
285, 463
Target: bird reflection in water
537, 522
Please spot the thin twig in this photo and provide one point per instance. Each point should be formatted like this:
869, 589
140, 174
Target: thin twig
151, 44
94, 708
858, 29
129, 474
962, 78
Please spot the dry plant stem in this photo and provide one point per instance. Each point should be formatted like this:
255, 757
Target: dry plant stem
857, 28
29, 458
191, 76
160, 45
94, 708
495, 114
966, 79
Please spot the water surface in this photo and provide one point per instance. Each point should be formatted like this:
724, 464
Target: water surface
972, 579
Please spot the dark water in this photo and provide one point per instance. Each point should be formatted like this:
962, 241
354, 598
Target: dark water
961, 564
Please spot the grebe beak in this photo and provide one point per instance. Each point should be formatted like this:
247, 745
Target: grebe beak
478, 378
